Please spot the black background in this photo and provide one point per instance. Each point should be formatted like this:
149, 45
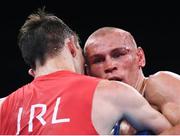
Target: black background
155, 27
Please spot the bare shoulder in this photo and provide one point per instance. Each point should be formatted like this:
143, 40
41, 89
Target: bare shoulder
164, 75
163, 79
162, 87
2, 100
116, 92
114, 88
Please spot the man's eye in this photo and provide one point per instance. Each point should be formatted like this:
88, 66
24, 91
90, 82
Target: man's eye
97, 60
116, 54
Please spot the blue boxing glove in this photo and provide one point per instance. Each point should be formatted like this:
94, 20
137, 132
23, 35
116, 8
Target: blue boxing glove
145, 132
116, 128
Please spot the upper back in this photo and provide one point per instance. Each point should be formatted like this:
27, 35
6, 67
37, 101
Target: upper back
58, 103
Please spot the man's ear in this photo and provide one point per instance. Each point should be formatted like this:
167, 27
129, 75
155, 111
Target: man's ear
141, 57
70, 43
31, 72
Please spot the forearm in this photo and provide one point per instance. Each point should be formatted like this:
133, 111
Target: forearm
175, 130
153, 119
159, 123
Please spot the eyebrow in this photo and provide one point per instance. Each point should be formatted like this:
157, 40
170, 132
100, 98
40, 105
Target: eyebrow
115, 49
96, 56
121, 49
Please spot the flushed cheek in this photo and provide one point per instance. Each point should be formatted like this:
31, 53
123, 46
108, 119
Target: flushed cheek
96, 71
127, 65
127, 62
130, 71
126, 68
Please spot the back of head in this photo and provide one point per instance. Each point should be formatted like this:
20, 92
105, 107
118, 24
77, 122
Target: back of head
42, 36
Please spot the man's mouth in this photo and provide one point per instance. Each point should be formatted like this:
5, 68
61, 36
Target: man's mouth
115, 79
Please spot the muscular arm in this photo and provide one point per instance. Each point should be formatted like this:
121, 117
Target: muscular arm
163, 91
139, 110
172, 131
142, 112
114, 101
163, 87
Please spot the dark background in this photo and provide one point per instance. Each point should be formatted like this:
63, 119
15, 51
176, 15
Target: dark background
155, 27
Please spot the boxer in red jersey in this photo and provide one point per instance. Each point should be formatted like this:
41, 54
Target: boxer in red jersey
60, 99
112, 54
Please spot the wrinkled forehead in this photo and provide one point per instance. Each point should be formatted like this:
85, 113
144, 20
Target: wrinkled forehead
109, 41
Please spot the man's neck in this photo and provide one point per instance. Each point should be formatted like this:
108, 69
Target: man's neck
53, 65
140, 84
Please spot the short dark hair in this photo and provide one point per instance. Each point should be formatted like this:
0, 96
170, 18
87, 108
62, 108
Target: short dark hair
42, 36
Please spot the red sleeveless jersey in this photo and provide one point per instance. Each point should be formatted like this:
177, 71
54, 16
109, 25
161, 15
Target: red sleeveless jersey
58, 103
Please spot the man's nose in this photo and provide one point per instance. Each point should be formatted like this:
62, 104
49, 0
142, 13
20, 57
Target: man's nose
109, 65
